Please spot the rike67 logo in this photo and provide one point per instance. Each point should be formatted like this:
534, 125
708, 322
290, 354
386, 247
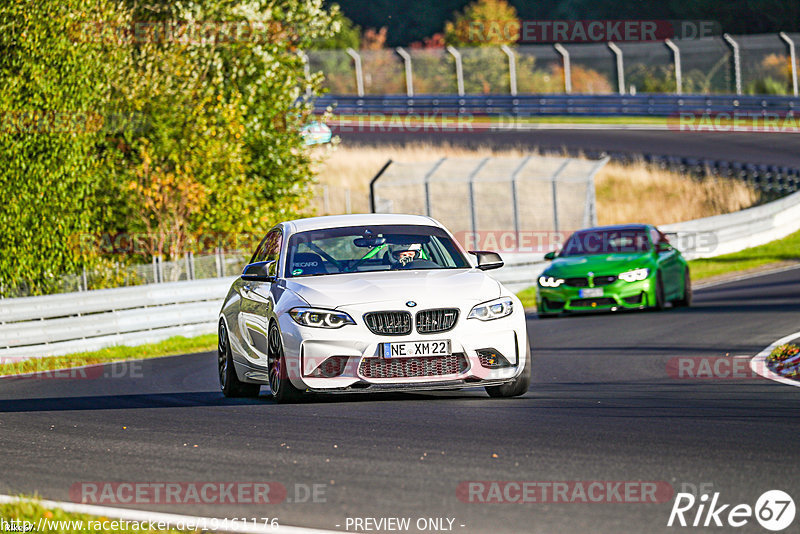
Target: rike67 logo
774, 510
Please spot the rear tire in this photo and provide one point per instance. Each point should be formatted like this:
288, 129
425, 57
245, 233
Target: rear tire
229, 383
686, 300
518, 386
283, 391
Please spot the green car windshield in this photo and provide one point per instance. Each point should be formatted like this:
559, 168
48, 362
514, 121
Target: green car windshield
624, 241
371, 248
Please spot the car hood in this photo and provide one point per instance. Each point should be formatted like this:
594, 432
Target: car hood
600, 264
425, 287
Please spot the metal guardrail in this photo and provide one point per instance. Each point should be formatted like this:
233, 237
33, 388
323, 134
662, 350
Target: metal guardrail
652, 105
32, 327
699, 238
373, 113
732, 232
744, 64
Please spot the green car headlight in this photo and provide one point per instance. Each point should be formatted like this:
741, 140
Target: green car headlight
550, 281
494, 309
320, 318
635, 275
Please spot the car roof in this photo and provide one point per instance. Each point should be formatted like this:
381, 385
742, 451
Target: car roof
617, 227
363, 219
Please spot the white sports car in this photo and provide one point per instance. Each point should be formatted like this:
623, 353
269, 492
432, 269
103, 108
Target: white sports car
369, 303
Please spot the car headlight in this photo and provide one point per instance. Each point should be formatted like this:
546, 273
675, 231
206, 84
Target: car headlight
494, 309
320, 318
635, 275
550, 281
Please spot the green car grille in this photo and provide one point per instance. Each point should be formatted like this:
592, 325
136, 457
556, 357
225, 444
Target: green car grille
584, 282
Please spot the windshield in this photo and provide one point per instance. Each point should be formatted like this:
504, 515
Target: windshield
588, 242
371, 248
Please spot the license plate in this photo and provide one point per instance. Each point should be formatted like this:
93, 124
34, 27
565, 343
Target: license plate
416, 348
592, 292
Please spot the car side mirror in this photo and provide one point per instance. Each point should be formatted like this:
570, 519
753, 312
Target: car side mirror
487, 260
550, 256
663, 247
260, 271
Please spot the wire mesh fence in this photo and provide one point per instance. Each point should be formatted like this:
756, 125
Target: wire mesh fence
747, 64
119, 274
495, 200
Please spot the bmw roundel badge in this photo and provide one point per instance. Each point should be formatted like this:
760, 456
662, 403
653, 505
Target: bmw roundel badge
411, 303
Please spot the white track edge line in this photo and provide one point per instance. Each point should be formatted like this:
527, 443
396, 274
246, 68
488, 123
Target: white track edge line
759, 362
171, 519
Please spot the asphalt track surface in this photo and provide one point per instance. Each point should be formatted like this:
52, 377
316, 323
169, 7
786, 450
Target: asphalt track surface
602, 407
744, 147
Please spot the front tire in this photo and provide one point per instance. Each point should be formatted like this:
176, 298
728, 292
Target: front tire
229, 383
518, 386
660, 303
686, 300
283, 391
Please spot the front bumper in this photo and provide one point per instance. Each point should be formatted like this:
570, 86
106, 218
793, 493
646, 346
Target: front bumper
308, 349
617, 295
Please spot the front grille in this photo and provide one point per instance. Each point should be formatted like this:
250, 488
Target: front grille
432, 321
588, 302
584, 282
604, 280
390, 323
577, 282
413, 367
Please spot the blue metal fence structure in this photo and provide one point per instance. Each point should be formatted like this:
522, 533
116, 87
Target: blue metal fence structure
652, 105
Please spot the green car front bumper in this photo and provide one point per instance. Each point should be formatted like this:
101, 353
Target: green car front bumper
617, 295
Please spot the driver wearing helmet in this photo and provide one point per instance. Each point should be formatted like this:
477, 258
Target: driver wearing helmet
404, 255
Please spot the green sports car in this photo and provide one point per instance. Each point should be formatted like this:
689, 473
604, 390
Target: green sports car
612, 268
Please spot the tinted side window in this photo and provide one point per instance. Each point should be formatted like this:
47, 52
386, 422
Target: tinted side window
269, 249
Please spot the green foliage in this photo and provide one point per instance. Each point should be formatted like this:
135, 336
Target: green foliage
483, 23
52, 91
214, 148
652, 79
32, 511
345, 33
767, 86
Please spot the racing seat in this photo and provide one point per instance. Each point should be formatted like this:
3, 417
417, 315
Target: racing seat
308, 263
